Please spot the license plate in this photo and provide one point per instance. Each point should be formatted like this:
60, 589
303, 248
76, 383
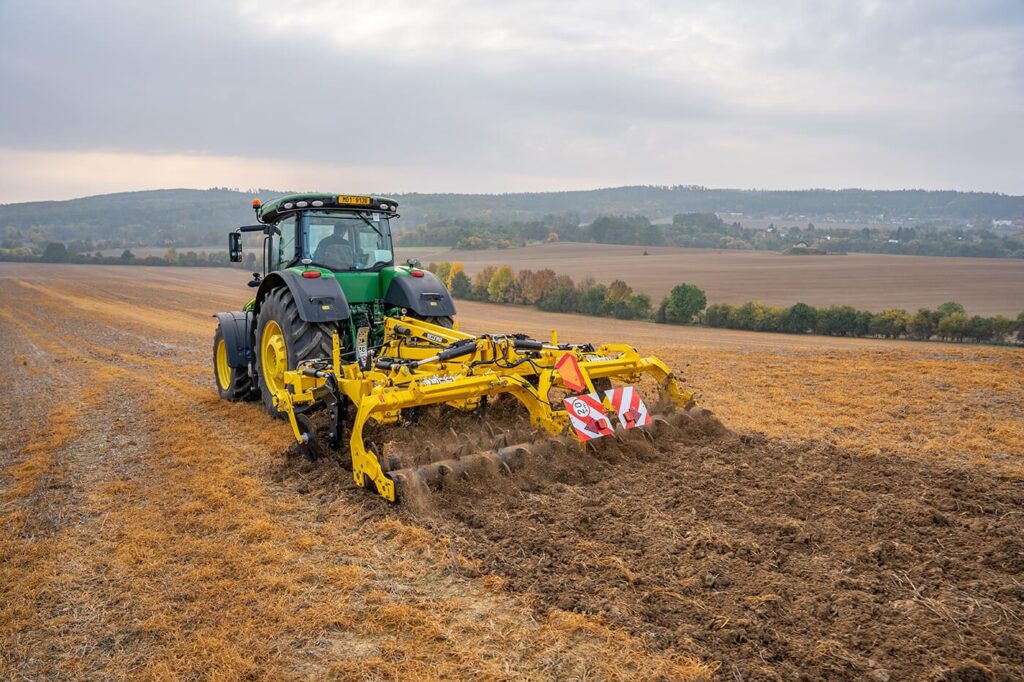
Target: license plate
345, 199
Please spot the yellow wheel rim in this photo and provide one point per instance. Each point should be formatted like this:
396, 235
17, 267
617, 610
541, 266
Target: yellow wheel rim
273, 357
223, 369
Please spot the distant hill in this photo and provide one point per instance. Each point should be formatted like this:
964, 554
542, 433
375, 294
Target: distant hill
197, 217
155, 217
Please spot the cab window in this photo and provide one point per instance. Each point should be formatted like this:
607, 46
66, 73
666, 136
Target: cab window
348, 240
285, 255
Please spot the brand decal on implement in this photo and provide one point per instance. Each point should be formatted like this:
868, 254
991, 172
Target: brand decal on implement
437, 379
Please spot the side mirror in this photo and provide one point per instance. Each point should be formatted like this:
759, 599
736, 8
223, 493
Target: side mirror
235, 247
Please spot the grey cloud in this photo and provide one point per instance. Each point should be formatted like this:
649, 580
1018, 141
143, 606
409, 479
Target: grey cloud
651, 94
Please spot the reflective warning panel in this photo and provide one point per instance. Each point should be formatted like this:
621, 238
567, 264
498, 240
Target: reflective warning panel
626, 403
569, 370
586, 414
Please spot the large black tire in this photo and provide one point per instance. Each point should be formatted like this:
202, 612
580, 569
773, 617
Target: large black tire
302, 341
233, 383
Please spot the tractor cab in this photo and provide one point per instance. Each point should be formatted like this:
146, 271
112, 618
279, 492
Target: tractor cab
348, 237
337, 233
340, 241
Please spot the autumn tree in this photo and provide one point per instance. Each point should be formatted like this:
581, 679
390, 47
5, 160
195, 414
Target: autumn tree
521, 278
442, 270
717, 315
537, 284
561, 297
922, 324
953, 326
461, 286
890, 323
455, 269
500, 288
480, 282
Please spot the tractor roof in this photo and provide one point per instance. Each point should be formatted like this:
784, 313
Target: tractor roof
279, 208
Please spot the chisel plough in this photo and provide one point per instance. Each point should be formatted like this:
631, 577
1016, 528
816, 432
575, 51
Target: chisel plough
565, 388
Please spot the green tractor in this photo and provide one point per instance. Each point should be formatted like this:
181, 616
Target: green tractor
336, 324
328, 267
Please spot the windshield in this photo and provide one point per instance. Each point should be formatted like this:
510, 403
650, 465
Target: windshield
347, 241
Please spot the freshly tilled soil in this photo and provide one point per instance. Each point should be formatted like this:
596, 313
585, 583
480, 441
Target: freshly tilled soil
150, 530
780, 561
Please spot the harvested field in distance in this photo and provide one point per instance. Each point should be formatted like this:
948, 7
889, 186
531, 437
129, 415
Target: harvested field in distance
986, 286
857, 514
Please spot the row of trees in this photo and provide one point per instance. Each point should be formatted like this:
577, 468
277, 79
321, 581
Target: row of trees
58, 252
707, 230
948, 322
687, 304
546, 290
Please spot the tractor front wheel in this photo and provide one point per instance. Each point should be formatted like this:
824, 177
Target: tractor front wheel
283, 340
233, 383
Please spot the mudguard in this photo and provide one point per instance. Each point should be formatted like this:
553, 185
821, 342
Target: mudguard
426, 296
236, 328
319, 299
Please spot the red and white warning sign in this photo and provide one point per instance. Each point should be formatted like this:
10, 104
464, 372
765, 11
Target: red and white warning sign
629, 406
586, 414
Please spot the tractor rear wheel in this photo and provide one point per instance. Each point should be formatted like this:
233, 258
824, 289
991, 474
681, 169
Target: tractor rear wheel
283, 340
233, 383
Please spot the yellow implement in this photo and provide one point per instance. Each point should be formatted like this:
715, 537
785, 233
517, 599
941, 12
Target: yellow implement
420, 363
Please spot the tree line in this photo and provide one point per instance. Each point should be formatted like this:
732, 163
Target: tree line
708, 230
546, 290
687, 304
948, 322
188, 217
58, 252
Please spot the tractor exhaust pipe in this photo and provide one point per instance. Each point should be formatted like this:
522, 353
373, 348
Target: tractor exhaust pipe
434, 475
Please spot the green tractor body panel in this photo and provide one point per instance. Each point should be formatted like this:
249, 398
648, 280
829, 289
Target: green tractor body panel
361, 287
388, 274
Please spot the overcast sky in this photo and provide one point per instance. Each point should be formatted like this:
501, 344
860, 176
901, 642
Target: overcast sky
396, 95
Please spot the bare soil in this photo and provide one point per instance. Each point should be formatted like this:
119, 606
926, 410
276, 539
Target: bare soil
782, 562
779, 561
853, 510
986, 286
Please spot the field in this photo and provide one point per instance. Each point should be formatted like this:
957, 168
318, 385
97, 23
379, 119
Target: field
853, 510
986, 286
